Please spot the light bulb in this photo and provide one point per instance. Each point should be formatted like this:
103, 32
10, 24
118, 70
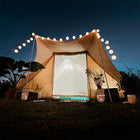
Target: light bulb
80, 36
31, 38
93, 31
28, 41
60, 39
114, 57
19, 47
33, 34
74, 37
106, 42
16, 51
107, 47
87, 33
37, 36
42, 38
48, 38
102, 39
67, 38
98, 30
54, 39
23, 44
111, 51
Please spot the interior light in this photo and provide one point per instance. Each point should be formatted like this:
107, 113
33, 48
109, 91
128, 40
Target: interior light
111, 51
74, 37
102, 39
106, 42
20, 47
33, 34
107, 47
28, 41
67, 38
114, 57
23, 44
16, 51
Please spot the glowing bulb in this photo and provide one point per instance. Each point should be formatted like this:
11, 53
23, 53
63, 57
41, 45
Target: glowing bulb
28, 41
106, 42
98, 30
87, 33
54, 39
33, 34
31, 39
48, 38
93, 31
23, 44
111, 51
37, 36
107, 47
60, 39
74, 37
67, 38
98, 35
20, 47
42, 38
102, 39
80, 36
114, 57
16, 51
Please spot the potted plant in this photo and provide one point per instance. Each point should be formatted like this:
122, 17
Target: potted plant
14, 71
98, 80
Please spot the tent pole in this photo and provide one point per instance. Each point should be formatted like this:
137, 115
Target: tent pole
30, 64
104, 72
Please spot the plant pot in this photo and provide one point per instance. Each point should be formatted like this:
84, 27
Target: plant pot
131, 98
100, 95
10, 93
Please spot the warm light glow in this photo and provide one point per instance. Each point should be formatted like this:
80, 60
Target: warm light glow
23, 44
80, 36
42, 38
107, 47
102, 39
48, 38
60, 39
28, 41
16, 51
20, 47
106, 42
74, 37
87, 33
31, 38
114, 57
98, 35
37, 36
54, 39
98, 30
93, 31
33, 34
111, 51
67, 38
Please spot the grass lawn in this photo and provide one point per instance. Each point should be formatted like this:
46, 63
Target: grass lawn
53, 120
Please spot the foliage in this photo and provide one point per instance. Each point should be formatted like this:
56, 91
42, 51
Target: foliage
14, 71
130, 82
98, 78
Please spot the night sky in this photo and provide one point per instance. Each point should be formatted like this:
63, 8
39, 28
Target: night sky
118, 21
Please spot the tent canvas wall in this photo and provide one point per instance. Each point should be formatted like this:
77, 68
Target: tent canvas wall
65, 66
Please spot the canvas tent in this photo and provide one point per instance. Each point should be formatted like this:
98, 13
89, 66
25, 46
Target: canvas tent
65, 66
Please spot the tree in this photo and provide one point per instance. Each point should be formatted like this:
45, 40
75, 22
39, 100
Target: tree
14, 71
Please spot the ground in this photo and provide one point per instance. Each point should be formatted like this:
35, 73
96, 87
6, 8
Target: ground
54, 119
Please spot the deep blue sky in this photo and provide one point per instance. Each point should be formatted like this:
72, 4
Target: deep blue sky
118, 21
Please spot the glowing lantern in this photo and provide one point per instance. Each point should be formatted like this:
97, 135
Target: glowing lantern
16, 51
106, 42
80, 36
48, 38
42, 38
111, 51
107, 47
20, 47
93, 31
37, 36
54, 39
114, 57
98, 35
87, 33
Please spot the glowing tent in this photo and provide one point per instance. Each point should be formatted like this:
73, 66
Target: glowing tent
65, 66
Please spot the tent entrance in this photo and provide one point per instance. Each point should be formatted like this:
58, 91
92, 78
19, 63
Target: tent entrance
69, 78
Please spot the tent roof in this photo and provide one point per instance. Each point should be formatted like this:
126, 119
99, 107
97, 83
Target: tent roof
88, 43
